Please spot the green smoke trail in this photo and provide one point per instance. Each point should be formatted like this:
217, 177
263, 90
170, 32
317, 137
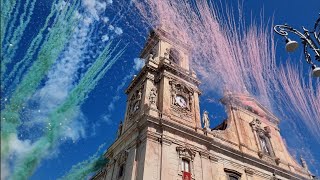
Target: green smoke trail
57, 30
84, 168
13, 19
66, 112
7, 7
14, 76
47, 55
19, 30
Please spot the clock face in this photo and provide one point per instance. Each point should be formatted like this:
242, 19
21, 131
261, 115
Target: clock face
181, 101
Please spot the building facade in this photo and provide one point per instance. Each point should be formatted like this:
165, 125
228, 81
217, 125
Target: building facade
163, 136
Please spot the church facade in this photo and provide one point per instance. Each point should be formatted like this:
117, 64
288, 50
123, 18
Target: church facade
162, 137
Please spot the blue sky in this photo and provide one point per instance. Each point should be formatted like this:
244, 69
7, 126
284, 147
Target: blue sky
96, 120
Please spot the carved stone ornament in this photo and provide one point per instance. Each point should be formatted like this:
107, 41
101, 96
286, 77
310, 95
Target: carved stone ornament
153, 97
277, 160
185, 152
166, 53
122, 157
135, 102
249, 171
255, 124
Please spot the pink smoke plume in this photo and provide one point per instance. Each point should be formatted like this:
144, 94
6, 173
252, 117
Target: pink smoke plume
229, 55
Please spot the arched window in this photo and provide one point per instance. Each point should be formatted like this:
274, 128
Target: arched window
174, 55
232, 174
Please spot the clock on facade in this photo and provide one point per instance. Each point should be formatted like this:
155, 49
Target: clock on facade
181, 101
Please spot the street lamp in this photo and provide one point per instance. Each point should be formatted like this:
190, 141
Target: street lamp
310, 40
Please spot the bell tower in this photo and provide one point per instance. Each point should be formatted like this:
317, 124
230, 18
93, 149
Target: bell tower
166, 87
161, 137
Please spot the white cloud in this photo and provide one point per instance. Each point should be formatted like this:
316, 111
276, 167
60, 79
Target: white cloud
94, 7
107, 118
16, 149
105, 38
105, 19
138, 63
111, 28
118, 31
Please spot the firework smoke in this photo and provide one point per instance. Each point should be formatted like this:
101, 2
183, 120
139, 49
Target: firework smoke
89, 166
241, 58
54, 56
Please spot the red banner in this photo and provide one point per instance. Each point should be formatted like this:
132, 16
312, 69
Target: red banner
186, 176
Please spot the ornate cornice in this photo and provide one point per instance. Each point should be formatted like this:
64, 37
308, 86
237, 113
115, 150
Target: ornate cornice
143, 75
176, 70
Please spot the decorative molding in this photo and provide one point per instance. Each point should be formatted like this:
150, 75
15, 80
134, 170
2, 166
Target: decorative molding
186, 152
135, 102
176, 70
249, 171
205, 154
255, 124
122, 157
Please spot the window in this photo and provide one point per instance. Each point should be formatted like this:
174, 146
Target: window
185, 165
121, 171
232, 174
174, 55
233, 177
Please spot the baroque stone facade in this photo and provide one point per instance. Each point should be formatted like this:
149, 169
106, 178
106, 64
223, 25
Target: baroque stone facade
162, 138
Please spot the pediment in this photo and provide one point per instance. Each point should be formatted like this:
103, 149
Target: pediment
250, 104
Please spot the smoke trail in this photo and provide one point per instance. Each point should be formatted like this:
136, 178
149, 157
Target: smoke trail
66, 112
62, 77
294, 89
47, 55
138, 64
241, 58
55, 40
59, 34
7, 8
84, 168
17, 32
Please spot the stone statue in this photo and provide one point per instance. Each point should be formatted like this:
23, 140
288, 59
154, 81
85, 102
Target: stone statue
150, 57
139, 95
303, 163
205, 120
153, 97
119, 129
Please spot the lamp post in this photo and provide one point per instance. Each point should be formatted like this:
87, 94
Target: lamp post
310, 42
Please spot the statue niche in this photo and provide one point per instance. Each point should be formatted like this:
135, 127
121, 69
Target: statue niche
153, 98
135, 102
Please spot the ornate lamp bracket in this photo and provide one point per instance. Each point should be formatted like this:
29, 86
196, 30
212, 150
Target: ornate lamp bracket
310, 39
